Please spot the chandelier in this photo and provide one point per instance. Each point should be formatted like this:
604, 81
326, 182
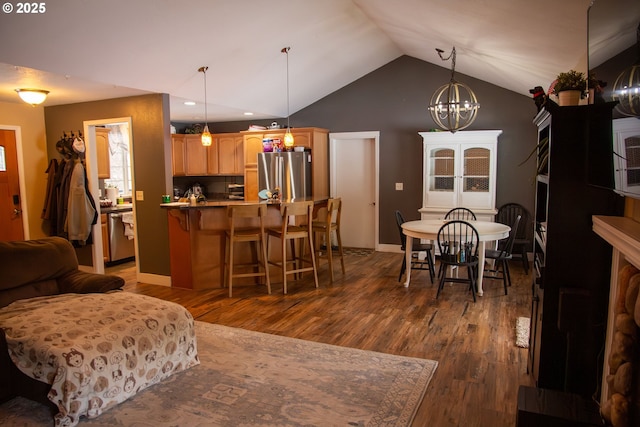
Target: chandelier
626, 89
453, 106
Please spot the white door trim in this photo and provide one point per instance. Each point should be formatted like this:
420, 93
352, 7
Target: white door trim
91, 157
24, 204
334, 138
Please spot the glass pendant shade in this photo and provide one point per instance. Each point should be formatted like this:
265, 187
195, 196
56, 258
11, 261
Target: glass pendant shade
626, 90
288, 139
33, 96
206, 136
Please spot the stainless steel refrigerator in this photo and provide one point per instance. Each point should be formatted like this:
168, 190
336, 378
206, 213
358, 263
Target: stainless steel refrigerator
289, 171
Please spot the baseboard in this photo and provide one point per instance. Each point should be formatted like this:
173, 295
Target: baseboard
154, 279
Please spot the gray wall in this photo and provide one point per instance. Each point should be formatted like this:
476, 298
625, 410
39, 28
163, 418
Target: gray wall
151, 168
393, 99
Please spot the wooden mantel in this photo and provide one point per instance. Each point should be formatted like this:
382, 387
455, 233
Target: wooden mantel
622, 233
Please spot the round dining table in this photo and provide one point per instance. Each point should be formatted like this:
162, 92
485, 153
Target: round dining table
427, 229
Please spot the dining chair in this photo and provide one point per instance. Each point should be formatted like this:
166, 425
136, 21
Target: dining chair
242, 228
296, 224
416, 248
464, 214
458, 244
327, 227
501, 257
507, 214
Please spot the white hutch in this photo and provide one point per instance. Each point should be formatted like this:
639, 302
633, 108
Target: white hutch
459, 170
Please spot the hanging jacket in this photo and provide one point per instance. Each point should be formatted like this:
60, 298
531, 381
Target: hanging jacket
81, 210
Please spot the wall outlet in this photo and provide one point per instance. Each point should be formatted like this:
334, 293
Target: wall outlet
399, 186
139, 196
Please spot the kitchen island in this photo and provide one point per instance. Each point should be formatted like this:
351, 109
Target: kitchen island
197, 241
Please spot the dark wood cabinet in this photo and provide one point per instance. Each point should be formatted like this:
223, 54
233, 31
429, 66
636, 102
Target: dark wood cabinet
571, 263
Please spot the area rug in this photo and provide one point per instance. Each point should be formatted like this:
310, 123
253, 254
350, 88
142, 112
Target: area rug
248, 378
522, 332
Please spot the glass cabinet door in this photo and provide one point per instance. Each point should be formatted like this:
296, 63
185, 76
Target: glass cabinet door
442, 170
475, 175
632, 157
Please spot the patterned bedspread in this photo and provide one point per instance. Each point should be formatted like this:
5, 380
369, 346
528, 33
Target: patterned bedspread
97, 350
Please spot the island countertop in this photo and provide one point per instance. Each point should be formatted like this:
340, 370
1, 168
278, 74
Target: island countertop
197, 240
230, 202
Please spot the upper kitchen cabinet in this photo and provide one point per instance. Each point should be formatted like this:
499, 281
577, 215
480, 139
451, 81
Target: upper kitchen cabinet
102, 149
459, 169
230, 154
316, 139
224, 156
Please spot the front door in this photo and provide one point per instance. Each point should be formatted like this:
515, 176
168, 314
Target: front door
11, 227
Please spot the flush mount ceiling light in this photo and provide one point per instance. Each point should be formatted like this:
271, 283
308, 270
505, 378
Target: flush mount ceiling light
206, 135
33, 96
453, 106
288, 137
626, 89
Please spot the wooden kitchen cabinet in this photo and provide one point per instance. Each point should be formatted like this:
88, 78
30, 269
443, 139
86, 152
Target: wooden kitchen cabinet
230, 153
106, 253
178, 157
102, 150
315, 138
225, 156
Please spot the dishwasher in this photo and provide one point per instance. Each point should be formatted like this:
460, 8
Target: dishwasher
120, 246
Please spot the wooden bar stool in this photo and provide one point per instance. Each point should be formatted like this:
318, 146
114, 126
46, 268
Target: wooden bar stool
300, 230
243, 228
327, 227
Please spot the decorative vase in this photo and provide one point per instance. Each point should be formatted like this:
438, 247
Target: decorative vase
569, 97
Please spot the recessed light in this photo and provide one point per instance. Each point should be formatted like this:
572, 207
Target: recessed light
189, 103
248, 113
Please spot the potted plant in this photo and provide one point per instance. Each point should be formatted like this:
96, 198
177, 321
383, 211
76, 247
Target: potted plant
570, 87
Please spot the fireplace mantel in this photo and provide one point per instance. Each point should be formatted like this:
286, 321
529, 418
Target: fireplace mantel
622, 233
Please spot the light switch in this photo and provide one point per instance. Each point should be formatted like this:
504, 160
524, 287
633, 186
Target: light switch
139, 196
399, 186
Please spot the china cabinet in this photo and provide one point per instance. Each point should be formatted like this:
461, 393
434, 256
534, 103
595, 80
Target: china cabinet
626, 146
459, 169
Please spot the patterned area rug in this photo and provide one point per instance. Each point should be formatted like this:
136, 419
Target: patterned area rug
522, 332
250, 378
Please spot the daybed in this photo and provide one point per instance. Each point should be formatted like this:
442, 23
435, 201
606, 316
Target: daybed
70, 336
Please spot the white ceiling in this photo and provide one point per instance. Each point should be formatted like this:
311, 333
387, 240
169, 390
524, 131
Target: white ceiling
84, 50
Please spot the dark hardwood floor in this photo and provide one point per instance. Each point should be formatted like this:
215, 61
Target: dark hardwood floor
480, 367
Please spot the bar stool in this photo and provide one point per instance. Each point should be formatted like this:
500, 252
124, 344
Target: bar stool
326, 227
301, 230
239, 231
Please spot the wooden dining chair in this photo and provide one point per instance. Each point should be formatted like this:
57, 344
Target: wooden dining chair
326, 228
458, 243
507, 214
242, 228
464, 214
501, 257
296, 225
416, 248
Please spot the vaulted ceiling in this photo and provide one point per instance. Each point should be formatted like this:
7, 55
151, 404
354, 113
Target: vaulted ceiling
85, 50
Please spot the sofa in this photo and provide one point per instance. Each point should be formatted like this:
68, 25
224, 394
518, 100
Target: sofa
71, 340
36, 268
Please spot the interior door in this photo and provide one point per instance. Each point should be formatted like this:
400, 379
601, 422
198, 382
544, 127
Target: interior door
353, 178
11, 227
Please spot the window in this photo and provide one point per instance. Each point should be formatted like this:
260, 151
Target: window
119, 158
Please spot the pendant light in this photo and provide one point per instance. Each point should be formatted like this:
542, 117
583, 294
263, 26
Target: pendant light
206, 135
453, 106
33, 96
288, 137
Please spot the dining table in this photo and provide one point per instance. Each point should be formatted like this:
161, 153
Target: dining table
427, 229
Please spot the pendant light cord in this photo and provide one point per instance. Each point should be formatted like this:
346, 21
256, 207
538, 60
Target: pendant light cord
286, 51
203, 70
